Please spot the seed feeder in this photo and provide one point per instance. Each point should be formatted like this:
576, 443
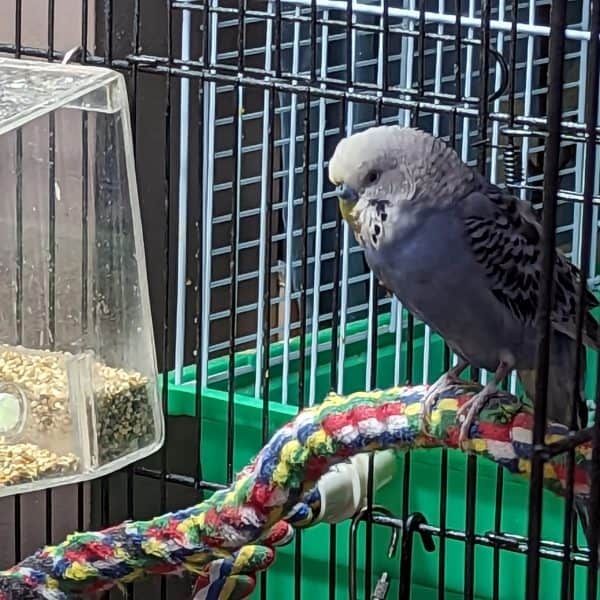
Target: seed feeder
79, 391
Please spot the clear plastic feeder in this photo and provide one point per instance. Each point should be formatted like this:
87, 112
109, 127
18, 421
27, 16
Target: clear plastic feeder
78, 378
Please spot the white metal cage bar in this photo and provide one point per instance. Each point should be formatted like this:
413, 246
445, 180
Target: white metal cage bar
367, 68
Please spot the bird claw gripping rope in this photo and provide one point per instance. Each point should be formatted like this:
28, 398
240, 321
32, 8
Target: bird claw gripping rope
231, 534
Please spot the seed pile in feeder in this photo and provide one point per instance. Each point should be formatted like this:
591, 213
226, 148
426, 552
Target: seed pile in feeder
42, 376
124, 415
121, 409
21, 463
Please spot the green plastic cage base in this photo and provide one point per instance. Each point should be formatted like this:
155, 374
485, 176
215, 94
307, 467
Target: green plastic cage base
423, 470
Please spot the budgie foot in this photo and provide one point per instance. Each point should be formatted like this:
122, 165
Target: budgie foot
470, 410
452, 377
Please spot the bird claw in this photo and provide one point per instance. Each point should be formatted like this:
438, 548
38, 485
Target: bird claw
472, 408
432, 395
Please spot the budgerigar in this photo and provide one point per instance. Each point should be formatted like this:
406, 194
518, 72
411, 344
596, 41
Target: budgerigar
464, 256
461, 254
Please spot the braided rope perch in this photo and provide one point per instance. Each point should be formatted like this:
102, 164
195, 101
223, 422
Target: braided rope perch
280, 484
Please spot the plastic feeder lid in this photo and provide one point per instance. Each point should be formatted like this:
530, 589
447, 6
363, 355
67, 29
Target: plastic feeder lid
29, 89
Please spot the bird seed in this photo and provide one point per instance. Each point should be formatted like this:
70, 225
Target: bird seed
123, 416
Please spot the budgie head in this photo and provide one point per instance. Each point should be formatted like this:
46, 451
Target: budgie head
387, 175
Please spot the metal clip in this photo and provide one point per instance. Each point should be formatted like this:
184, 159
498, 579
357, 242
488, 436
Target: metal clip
360, 515
382, 587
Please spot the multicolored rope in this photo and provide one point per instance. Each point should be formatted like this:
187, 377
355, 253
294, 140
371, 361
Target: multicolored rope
233, 577
280, 485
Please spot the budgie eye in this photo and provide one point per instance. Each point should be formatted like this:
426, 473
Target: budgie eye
372, 177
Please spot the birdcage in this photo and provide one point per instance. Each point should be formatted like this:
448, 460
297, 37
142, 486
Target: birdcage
261, 298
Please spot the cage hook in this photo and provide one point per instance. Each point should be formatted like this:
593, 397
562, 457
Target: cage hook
503, 76
358, 517
70, 54
503, 69
412, 524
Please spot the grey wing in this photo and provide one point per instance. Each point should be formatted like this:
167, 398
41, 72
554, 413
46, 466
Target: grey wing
506, 239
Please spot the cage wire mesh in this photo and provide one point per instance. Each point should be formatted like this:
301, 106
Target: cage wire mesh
259, 291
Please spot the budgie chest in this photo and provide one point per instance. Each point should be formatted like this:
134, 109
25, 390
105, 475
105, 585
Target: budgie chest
431, 269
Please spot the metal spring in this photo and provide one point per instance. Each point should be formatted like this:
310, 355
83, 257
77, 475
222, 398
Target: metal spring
513, 171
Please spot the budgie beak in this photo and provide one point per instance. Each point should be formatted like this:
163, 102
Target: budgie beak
347, 193
347, 197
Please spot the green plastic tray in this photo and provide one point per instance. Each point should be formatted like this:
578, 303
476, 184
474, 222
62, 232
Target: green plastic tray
424, 477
